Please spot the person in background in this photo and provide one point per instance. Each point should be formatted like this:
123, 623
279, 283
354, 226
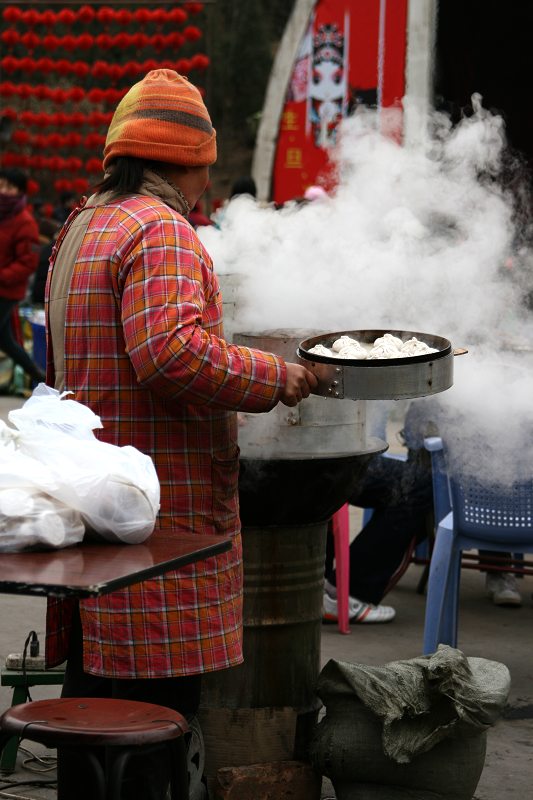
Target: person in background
243, 185
401, 496
19, 255
48, 230
134, 320
315, 193
197, 218
67, 202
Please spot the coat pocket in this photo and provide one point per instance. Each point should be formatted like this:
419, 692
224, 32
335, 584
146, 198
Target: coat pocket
225, 492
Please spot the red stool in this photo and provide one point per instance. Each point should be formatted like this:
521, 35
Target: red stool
130, 727
341, 537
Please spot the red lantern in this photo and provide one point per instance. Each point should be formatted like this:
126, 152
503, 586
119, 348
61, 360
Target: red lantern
86, 14
105, 15
62, 66
199, 61
133, 68
80, 69
9, 64
114, 95
183, 66
25, 90
10, 113
32, 187
93, 165
54, 140
47, 209
66, 17
77, 119
159, 16
69, 43
30, 40
80, 185
103, 41
45, 65
59, 96
115, 72
85, 41
76, 94
177, 16
140, 40
175, 40
122, 40
192, 33
142, 16
73, 164
123, 17
21, 137
12, 14
48, 18
10, 37
27, 65
99, 69
96, 95
7, 89
30, 18
43, 92
50, 42
62, 185
73, 139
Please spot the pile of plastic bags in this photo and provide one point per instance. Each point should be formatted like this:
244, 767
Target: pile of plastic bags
59, 483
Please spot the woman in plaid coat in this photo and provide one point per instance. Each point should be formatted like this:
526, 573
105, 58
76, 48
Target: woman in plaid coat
135, 331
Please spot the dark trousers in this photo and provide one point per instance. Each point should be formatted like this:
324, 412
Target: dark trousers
10, 346
400, 492
147, 778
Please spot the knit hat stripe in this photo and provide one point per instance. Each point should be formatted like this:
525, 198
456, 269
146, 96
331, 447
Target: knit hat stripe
177, 117
162, 118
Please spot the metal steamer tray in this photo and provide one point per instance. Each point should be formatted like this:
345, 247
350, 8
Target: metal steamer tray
380, 379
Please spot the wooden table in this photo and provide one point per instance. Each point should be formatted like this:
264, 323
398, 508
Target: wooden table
94, 568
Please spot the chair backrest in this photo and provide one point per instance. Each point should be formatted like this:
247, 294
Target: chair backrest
442, 502
481, 511
493, 512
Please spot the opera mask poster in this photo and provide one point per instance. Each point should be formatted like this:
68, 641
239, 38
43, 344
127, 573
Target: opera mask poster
352, 53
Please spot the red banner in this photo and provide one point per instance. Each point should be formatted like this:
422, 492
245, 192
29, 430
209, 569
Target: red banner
352, 53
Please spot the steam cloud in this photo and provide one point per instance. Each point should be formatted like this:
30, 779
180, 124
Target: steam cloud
421, 239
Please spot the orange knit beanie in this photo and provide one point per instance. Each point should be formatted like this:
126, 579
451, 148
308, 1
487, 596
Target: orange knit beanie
162, 118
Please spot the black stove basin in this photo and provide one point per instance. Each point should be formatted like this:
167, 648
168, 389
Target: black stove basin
299, 491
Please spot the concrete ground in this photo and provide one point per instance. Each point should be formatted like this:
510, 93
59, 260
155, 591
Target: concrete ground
484, 630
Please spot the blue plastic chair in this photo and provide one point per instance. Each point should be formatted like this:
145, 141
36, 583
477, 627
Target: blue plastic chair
469, 515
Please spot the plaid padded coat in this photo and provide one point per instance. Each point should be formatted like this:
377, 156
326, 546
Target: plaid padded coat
143, 348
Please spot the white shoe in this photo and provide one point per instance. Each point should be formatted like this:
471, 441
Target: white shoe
358, 610
502, 588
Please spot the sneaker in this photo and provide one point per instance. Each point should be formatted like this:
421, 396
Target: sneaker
502, 588
358, 611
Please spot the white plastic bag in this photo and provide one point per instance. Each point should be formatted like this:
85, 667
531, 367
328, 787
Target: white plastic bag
116, 489
30, 517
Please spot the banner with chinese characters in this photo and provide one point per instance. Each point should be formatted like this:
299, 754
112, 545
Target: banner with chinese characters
352, 53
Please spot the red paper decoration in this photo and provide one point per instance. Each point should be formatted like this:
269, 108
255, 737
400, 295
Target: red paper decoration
78, 56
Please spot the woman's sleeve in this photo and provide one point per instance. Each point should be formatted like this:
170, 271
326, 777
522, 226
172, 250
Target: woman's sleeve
170, 310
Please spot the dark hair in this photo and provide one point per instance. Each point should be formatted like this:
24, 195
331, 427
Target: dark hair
16, 177
124, 177
244, 185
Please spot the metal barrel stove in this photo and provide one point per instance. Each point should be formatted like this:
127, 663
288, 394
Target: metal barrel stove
298, 466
